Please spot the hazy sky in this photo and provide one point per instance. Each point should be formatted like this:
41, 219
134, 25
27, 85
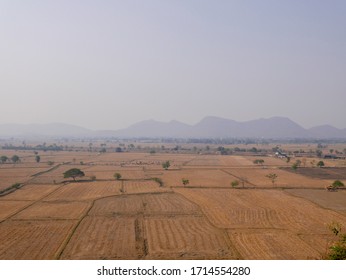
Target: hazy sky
108, 64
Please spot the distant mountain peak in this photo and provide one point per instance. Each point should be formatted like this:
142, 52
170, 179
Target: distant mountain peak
209, 127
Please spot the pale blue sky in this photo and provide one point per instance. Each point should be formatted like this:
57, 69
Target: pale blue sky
108, 64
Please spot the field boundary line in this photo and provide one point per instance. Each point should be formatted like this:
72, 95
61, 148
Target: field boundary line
242, 179
67, 240
33, 202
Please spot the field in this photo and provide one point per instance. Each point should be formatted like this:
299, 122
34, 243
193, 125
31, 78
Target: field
228, 209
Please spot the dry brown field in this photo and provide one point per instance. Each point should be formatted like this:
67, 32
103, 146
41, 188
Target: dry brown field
52, 217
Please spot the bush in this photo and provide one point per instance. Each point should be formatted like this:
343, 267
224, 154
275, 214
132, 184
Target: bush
338, 250
158, 180
235, 183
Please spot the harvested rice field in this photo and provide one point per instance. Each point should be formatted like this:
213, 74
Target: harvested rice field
227, 209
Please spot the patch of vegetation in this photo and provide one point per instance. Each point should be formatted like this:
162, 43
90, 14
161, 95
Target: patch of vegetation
117, 176
73, 173
11, 188
338, 250
258, 161
272, 177
337, 184
166, 164
185, 182
158, 180
235, 183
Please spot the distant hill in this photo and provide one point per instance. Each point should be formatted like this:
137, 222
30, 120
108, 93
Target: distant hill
209, 127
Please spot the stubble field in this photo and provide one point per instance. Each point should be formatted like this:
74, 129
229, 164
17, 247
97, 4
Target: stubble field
137, 217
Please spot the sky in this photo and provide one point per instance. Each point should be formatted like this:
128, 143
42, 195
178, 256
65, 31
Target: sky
109, 64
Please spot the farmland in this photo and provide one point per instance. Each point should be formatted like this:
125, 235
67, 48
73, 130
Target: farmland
228, 207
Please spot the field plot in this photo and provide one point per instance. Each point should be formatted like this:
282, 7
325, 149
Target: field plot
272, 245
30, 192
140, 186
16, 174
205, 161
53, 211
56, 176
65, 157
116, 158
103, 238
186, 238
246, 209
32, 240
82, 191
235, 161
108, 172
331, 200
198, 177
257, 177
147, 204
9, 208
155, 226
329, 173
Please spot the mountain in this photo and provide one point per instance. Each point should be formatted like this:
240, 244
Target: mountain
209, 127
151, 128
324, 131
215, 127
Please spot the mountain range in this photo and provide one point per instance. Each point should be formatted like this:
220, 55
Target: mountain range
209, 127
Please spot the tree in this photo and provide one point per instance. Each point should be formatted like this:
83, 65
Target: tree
73, 173
337, 184
296, 165
37, 158
272, 177
3, 159
319, 153
258, 161
320, 163
15, 159
117, 176
185, 181
166, 164
235, 183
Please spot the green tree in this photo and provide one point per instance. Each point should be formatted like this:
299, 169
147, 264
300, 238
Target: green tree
73, 173
3, 159
15, 159
37, 158
296, 165
235, 183
185, 181
258, 161
117, 176
272, 177
337, 184
166, 164
320, 163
